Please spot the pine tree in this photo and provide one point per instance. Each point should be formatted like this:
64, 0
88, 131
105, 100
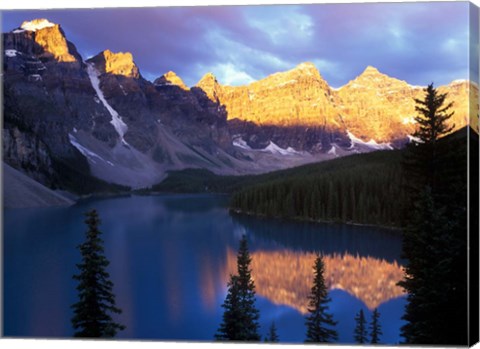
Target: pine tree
272, 336
240, 319
360, 333
92, 317
319, 322
375, 329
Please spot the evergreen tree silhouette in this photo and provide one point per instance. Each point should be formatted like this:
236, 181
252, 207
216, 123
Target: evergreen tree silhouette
434, 237
375, 329
360, 333
240, 319
92, 317
319, 322
272, 336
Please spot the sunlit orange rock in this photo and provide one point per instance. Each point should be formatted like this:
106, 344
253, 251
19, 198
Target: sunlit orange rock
373, 106
464, 96
50, 37
170, 78
298, 97
120, 63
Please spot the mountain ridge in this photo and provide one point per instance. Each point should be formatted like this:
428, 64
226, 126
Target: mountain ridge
100, 117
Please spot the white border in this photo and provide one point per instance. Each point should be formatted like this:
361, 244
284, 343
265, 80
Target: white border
75, 344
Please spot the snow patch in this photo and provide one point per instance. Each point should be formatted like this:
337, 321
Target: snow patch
37, 25
116, 121
458, 81
11, 53
417, 87
414, 139
370, 144
356, 85
239, 142
333, 150
123, 90
408, 120
85, 151
35, 77
275, 149
289, 82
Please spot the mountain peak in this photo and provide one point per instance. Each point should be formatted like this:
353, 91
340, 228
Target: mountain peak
37, 24
208, 77
306, 66
371, 70
47, 35
209, 84
120, 63
170, 78
371, 78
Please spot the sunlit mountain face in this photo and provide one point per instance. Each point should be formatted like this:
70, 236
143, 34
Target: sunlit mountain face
286, 277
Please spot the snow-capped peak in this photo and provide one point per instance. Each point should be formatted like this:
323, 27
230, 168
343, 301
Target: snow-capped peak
36, 24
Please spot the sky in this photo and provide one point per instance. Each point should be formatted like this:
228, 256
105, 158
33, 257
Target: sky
419, 42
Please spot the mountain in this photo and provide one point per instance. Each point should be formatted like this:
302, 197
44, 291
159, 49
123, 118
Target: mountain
293, 109
98, 124
376, 106
298, 109
100, 118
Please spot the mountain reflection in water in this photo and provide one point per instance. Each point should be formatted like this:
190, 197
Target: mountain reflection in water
170, 259
286, 277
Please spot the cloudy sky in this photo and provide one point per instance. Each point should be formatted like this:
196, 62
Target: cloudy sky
416, 42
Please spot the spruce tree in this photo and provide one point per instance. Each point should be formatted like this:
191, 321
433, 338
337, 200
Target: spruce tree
434, 239
319, 322
272, 336
360, 333
240, 319
92, 313
375, 329
231, 327
421, 159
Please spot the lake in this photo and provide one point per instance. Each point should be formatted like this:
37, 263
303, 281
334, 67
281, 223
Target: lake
170, 260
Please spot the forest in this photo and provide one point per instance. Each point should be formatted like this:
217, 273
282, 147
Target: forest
362, 188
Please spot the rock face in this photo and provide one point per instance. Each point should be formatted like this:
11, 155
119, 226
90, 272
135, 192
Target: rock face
292, 109
120, 63
376, 106
46, 94
100, 117
67, 120
169, 79
298, 109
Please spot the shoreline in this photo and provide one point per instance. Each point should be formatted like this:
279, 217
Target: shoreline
394, 229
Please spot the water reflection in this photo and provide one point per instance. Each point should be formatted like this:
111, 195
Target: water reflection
170, 261
286, 277
327, 238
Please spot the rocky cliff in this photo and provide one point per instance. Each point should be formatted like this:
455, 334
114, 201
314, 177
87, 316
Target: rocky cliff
100, 117
292, 109
298, 109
